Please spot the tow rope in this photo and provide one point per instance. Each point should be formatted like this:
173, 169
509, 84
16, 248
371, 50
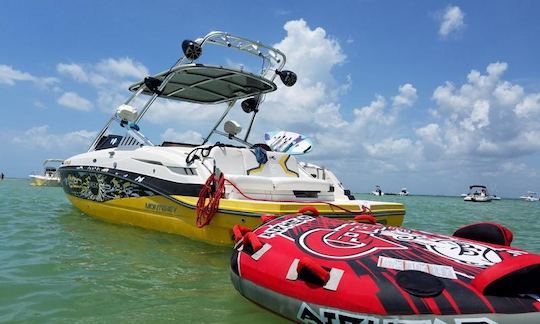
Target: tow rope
208, 203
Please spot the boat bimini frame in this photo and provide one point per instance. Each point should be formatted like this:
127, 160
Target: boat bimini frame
205, 84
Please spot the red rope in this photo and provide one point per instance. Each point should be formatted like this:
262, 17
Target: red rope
207, 209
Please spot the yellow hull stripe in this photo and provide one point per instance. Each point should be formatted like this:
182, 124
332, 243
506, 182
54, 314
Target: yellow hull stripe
161, 214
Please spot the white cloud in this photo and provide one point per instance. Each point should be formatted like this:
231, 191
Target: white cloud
451, 21
282, 12
8, 75
310, 52
170, 111
479, 117
487, 117
123, 67
508, 94
73, 70
389, 147
40, 138
329, 115
183, 137
445, 97
429, 133
514, 167
377, 113
407, 96
529, 106
39, 104
109, 77
74, 101
374, 112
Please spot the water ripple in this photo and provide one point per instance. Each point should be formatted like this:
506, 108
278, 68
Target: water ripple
58, 265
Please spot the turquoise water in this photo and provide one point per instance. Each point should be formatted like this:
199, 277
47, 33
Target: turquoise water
60, 266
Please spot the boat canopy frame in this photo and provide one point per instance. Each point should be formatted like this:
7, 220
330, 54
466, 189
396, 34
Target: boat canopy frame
201, 75
477, 186
53, 160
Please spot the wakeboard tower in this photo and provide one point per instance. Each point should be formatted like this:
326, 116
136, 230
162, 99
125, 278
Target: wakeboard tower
200, 190
314, 269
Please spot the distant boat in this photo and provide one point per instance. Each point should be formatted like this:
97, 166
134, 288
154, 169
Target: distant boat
49, 177
478, 193
377, 191
530, 196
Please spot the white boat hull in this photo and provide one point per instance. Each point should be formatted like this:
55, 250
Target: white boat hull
477, 198
44, 181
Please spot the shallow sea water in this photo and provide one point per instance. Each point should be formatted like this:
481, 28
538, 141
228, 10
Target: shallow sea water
58, 265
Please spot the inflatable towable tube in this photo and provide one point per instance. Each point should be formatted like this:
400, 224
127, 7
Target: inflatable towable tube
320, 270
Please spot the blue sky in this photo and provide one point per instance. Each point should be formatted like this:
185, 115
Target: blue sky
431, 95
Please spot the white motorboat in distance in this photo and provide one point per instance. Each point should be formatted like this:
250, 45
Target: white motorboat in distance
377, 191
403, 192
201, 190
49, 177
478, 193
530, 196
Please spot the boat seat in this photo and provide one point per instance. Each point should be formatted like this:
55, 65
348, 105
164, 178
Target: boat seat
278, 165
288, 183
250, 183
278, 183
229, 160
242, 161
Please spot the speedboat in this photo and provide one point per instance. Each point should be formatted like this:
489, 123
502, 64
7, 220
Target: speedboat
478, 193
200, 190
530, 196
403, 192
377, 191
49, 177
